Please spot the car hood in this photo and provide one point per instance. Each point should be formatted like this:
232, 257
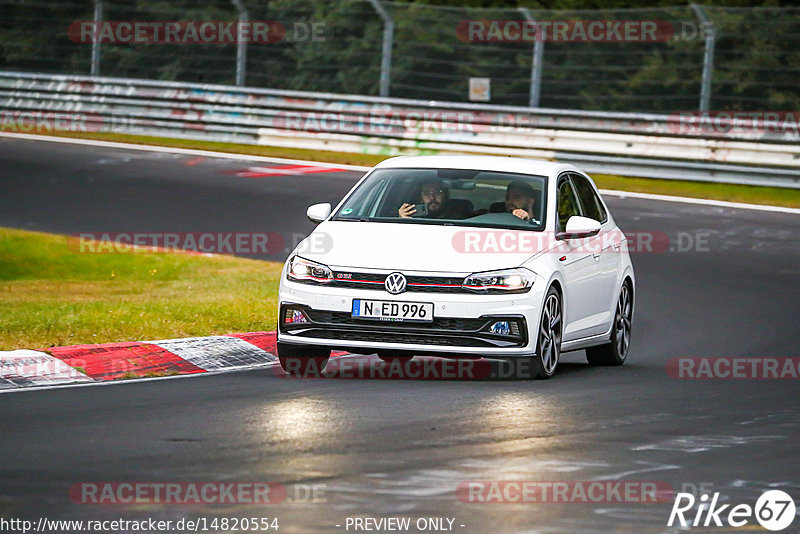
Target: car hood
417, 247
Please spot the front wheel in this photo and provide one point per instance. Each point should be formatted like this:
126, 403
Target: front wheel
548, 340
303, 360
616, 350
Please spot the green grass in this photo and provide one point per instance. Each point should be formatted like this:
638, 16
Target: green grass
343, 158
774, 196
51, 295
752, 194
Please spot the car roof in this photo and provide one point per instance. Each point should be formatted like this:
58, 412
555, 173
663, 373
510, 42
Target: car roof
486, 163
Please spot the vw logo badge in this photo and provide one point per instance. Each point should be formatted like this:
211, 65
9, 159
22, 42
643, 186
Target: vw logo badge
395, 283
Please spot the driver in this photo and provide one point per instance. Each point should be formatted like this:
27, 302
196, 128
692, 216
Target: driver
436, 196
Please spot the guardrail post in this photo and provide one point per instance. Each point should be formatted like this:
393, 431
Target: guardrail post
536, 62
98, 19
708, 57
386, 52
241, 45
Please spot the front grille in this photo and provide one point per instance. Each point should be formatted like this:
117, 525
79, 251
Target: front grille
434, 283
420, 284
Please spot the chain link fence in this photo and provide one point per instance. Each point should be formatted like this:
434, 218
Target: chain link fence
660, 60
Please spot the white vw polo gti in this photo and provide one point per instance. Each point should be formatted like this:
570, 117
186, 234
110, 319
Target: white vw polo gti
460, 257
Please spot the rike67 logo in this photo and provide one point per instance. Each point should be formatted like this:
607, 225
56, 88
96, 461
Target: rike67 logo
774, 510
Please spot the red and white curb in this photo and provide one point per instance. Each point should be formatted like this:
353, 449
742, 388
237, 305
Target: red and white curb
282, 170
78, 364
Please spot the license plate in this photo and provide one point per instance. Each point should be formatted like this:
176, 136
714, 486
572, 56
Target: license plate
389, 310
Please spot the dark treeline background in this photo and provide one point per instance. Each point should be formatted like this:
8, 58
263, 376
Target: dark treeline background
756, 60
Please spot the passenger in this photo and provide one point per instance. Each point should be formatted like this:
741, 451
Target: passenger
520, 200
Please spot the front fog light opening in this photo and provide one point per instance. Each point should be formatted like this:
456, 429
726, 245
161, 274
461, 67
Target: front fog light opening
295, 316
504, 328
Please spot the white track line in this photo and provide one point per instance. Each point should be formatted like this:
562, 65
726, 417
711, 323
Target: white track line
186, 151
245, 157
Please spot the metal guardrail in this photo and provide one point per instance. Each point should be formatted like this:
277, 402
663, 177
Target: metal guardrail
633, 144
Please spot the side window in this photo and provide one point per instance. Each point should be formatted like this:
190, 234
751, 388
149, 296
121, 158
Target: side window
567, 203
592, 206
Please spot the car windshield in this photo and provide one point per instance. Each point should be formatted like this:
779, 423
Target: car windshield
449, 196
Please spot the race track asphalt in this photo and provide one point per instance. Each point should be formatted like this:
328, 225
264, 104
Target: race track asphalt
385, 448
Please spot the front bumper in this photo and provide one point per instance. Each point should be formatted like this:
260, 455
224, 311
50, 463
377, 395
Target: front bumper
460, 327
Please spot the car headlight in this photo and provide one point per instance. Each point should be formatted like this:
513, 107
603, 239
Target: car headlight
505, 281
302, 270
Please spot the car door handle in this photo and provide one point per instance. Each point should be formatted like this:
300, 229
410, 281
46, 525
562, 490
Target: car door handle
616, 246
596, 256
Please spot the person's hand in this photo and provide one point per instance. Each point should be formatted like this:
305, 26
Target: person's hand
407, 210
521, 213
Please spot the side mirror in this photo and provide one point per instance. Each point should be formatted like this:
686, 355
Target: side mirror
579, 227
318, 212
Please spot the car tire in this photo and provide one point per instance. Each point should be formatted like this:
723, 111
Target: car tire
616, 350
303, 360
548, 338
